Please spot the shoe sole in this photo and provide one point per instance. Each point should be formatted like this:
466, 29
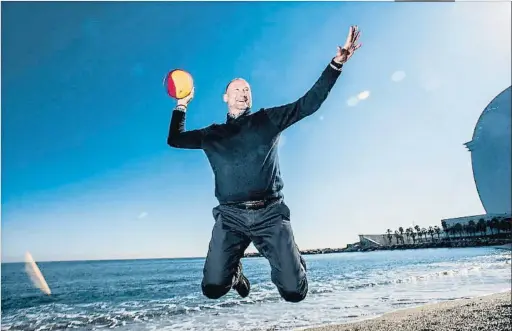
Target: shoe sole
243, 287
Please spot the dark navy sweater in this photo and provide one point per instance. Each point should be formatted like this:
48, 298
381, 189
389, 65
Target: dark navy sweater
243, 151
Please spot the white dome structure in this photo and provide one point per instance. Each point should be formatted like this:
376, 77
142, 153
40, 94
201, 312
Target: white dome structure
491, 151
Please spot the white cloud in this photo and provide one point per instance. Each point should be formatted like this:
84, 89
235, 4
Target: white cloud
398, 76
363, 95
142, 215
352, 101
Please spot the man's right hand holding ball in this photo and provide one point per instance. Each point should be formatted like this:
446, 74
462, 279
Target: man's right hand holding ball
183, 103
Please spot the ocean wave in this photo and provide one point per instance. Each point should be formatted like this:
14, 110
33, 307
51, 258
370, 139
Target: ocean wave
340, 283
109, 315
189, 310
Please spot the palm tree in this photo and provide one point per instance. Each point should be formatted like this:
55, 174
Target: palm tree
431, 232
424, 233
505, 224
401, 230
490, 226
472, 227
494, 224
482, 226
389, 232
397, 236
408, 233
418, 230
437, 230
457, 228
445, 228
413, 235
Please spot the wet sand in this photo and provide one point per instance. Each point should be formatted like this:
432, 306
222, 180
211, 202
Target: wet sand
488, 313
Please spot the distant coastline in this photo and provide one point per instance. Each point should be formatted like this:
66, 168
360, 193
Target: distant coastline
476, 242
356, 247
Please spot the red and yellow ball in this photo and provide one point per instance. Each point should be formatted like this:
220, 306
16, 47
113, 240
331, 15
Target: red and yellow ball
178, 83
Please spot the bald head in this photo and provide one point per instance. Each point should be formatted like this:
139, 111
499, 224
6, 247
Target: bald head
238, 96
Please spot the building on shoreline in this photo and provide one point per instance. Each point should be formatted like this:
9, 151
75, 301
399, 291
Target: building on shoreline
490, 149
382, 240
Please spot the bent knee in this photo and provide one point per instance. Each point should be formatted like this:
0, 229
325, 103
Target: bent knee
215, 291
294, 296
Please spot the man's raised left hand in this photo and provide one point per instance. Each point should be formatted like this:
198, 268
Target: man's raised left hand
345, 53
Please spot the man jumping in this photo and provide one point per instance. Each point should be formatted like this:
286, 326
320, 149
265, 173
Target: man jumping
248, 185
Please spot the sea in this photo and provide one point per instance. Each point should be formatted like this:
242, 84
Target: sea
165, 294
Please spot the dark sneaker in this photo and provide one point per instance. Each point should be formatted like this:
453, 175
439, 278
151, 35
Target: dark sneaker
241, 285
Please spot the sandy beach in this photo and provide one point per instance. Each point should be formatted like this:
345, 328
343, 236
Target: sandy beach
492, 313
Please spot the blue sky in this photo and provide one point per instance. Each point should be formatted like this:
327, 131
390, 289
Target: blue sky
87, 174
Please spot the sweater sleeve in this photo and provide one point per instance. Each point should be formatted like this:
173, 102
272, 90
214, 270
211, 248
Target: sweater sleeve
286, 115
180, 138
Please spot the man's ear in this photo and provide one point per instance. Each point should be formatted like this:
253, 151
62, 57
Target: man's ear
225, 97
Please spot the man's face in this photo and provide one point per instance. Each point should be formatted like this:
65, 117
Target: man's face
238, 95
